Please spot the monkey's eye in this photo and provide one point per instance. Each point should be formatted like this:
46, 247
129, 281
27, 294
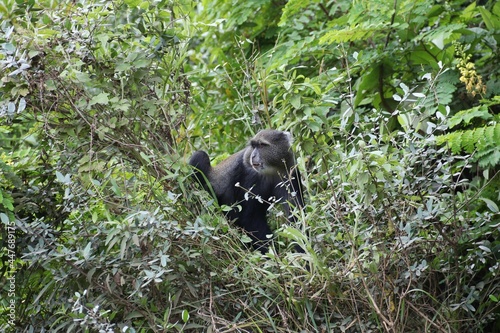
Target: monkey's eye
258, 144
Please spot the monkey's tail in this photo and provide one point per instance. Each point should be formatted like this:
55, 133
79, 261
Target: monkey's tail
201, 163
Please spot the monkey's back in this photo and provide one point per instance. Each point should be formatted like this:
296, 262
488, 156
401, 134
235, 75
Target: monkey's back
245, 182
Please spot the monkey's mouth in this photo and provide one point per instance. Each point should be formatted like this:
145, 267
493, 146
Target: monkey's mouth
265, 170
258, 166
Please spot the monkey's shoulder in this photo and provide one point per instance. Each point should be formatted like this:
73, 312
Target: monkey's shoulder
229, 172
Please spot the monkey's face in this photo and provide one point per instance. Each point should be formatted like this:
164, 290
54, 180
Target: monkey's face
269, 152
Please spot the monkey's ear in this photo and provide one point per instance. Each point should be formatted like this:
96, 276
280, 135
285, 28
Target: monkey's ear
288, 137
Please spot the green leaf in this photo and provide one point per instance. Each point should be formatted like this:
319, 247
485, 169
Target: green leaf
293, 234
185, 316
469, 12
352, 33
4, 218
245, 239
102, 98
123, 248
491, 205
142, 63
134, 314
465, 116
62, 178
455, 142
86, 251
133, 3
491, 21
295, 101
489, 158
123, 66
8, 203
489, 136
496, 9
439, 36
403, 121
478, 137
293, 7
468, 141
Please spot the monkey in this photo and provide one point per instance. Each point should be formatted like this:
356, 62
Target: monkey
262, 173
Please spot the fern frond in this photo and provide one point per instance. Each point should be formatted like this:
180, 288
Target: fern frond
354, 33
478, 135
488, 158
293, 7
456, 142
468, 141
484, 141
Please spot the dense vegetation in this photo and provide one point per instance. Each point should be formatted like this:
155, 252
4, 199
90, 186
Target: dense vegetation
394, 107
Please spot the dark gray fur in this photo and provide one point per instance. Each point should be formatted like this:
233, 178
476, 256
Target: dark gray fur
265, 168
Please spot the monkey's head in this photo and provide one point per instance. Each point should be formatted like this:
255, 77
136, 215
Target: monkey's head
269, 153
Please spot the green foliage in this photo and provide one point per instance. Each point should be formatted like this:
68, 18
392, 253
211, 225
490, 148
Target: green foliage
371, 174
482, 140
93, 97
